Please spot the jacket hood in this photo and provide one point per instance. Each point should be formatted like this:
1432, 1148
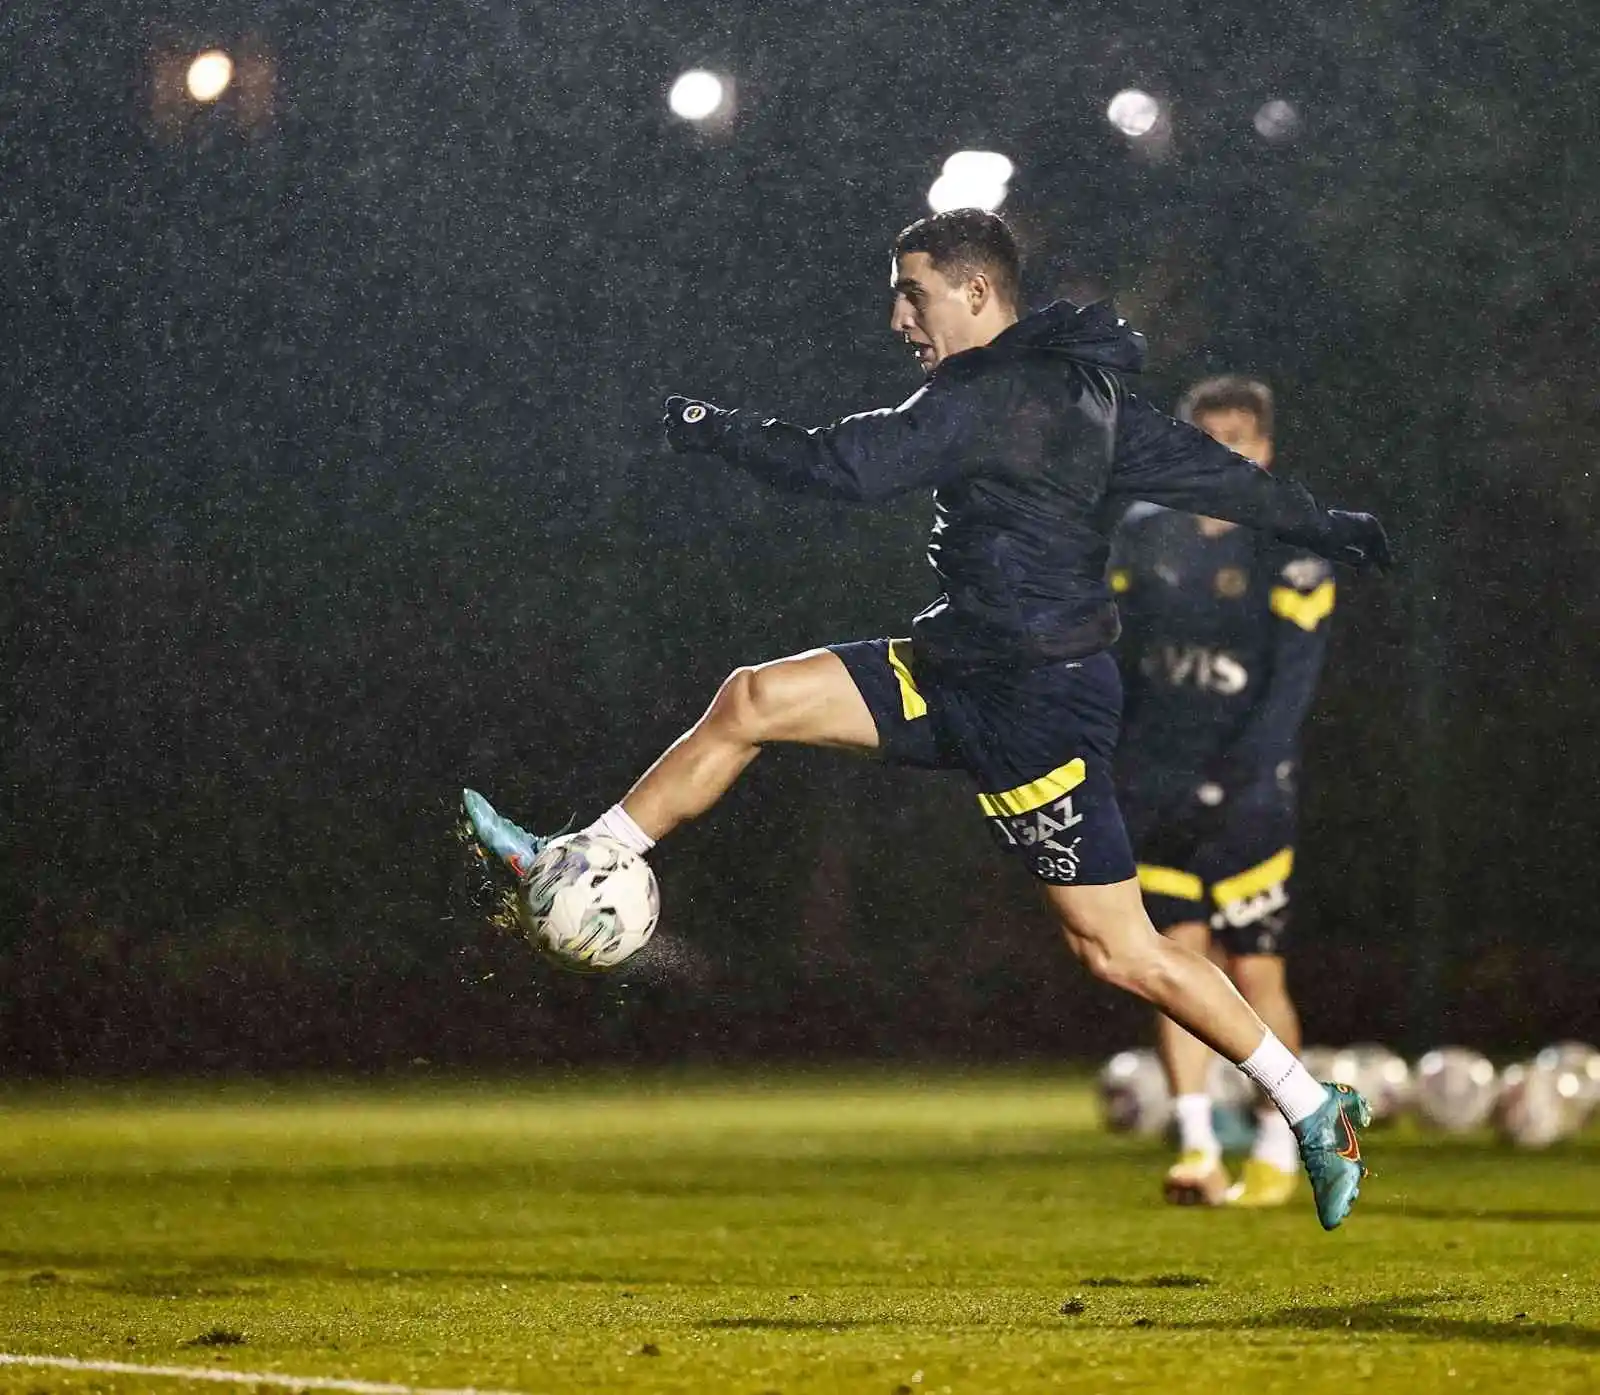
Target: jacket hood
1090, 334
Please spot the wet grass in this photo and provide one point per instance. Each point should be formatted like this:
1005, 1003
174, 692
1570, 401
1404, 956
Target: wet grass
912, 1233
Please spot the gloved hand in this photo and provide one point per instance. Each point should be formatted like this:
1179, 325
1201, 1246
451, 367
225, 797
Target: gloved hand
1358, 541
690, 424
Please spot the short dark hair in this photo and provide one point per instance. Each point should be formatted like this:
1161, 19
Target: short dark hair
1229, 393
964, 241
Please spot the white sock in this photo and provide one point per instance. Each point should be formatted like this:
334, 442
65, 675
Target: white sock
618, 825
1275, 1142
1195, 1131
1286, 1082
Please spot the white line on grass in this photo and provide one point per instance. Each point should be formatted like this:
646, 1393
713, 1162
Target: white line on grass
129, 1368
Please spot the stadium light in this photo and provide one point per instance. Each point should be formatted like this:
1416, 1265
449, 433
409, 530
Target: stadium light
698, 95
1277, 121
971, 179
1134, 113
209, 75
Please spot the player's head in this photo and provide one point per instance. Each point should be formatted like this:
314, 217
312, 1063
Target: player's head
1236, 411
956, 279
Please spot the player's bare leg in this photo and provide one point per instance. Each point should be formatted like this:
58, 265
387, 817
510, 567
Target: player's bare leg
1270, 1173
1197, 1178
809, 699
1109, 931
1107, 928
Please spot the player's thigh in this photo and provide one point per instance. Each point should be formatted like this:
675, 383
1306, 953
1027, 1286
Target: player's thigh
1191, 934
809, 699
1258, 977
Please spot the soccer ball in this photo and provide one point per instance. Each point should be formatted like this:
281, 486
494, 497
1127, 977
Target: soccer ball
1583, 1062
1537, 1105
1456, 1089
1133, 1093
1379, 1074
588, 903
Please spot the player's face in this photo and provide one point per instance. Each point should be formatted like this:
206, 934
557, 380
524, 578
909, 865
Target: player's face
934, 316
1238, 430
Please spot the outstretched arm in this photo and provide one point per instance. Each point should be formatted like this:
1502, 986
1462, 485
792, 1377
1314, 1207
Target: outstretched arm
1169, 462
919, 444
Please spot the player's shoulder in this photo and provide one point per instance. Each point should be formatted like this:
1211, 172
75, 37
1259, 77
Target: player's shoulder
1299, 570
1144, 519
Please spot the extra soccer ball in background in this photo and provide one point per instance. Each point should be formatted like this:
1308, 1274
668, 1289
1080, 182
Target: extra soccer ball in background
1133, 1093
1538, 1104
588, 903
1583, 1062
1455, 1089
1379, 1074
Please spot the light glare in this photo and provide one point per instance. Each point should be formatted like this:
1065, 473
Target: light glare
697, 95
209, 75
962, 191
1133, 112
1277, 120
979, 167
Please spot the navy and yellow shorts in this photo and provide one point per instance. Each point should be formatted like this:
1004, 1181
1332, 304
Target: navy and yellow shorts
1231, 867
1038, 742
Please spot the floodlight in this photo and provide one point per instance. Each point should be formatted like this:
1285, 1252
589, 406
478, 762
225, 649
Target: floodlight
1134, 113
951, 191
697, 95
209, 75
979, 167
1277, 120
971, 179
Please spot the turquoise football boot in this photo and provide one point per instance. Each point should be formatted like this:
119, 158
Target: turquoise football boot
1330, 1147
514, 846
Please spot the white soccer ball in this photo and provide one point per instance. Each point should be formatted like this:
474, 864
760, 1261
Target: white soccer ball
1379, 1074
1133, 1093
1456, 1089
588, 903
1537, 1105
1583, 1061
1229, 1087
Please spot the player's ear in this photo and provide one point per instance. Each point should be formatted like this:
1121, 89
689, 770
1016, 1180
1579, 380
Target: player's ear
980, 291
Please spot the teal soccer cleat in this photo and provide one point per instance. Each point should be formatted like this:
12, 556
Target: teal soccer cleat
514, 846
1331, 1150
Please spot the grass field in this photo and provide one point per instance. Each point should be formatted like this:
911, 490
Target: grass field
889, 1233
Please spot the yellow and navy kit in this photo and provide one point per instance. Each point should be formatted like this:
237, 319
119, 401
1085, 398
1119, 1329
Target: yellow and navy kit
1223, 641
1038, 742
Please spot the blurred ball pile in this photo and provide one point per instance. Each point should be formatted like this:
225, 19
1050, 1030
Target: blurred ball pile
1450, 1090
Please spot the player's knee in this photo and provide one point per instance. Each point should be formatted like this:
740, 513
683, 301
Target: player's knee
749, 704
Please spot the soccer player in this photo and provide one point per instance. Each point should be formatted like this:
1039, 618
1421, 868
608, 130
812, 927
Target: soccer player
1032, 444
1223, 638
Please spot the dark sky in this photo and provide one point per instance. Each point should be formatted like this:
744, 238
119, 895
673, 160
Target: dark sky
331, 481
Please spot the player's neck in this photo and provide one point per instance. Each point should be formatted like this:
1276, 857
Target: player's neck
1215, 527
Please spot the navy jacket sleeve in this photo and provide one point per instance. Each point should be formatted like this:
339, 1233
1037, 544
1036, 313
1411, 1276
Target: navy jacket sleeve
1169, 462
920, 444
1301, 600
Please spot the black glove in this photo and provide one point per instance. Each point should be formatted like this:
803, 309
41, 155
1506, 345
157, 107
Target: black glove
691, 425
1358, 540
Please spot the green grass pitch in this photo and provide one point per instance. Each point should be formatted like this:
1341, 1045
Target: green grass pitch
798, 1233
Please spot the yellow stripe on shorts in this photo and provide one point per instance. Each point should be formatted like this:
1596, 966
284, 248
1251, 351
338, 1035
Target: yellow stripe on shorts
1026, 798
912, 703
1169, 881
1305, 610
1270, 873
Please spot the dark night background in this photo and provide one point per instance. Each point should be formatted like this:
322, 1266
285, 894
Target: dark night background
330, 483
